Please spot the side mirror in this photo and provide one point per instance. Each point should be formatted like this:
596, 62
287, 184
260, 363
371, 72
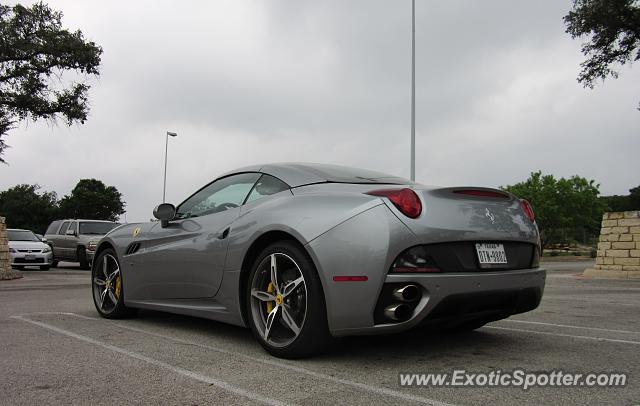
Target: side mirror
43, 239
164, 212
70, 232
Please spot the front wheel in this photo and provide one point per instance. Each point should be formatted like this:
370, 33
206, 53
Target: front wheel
44, 267
106, 283
287, 312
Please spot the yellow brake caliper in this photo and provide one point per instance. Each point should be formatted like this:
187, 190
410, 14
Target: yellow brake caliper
118, 287
270, 289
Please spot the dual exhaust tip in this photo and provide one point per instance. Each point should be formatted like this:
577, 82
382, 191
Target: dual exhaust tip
409, 294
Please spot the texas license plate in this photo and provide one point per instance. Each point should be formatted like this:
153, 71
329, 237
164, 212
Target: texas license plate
491, 254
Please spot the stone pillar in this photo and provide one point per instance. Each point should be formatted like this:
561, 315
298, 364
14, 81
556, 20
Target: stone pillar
5, 262
619, 246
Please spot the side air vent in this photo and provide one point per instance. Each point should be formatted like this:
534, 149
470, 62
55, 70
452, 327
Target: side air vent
132, 248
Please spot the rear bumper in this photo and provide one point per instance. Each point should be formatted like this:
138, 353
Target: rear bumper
367, 245
453, 297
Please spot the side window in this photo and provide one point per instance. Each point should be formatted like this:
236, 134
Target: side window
218, 196
64, 227
267, 185
53, 227
74, 226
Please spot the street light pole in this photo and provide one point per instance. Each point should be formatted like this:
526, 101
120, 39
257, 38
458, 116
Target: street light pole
413, 90
166, 150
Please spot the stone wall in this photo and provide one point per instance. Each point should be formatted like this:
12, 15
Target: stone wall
619, 247
5, 264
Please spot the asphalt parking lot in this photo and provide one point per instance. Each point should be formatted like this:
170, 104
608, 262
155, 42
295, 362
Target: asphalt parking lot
55, 350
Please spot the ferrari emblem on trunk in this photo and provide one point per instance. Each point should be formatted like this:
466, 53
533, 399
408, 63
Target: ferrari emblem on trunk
490, 216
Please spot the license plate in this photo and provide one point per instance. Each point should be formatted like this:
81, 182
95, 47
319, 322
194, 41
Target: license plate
29, 257
491, 254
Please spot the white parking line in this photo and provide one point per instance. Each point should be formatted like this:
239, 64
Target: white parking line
613, 340
570, 326
363, 386
181, 371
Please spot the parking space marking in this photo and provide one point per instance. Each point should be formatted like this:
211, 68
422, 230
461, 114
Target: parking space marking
612, 340
181, 371
569, 326
362, 386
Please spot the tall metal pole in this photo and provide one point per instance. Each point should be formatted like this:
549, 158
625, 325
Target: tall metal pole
413, 90
166, 150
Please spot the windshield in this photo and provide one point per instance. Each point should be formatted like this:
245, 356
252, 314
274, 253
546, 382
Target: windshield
96, 228
22, 235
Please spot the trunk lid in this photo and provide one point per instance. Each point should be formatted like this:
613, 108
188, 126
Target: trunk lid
469, 214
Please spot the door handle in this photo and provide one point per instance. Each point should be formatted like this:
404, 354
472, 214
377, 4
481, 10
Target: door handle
224, 234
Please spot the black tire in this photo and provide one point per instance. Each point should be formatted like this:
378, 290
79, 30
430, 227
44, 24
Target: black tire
44, 267
103, 303
313, 336
54, 263
82, 258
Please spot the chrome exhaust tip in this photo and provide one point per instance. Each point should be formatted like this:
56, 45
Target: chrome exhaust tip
408, 293
398, 312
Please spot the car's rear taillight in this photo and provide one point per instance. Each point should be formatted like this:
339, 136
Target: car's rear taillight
528, 211
405, 200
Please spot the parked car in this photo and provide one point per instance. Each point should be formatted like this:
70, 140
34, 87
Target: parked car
26, 249
75, 240
303, 252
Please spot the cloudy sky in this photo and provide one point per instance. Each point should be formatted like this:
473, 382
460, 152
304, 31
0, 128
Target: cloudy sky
245, 82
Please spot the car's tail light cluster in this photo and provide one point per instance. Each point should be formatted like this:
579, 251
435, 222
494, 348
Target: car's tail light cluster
405, 200
528, 210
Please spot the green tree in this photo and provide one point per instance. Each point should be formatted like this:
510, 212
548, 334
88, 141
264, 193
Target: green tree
35, 52
92, 199
564, 208
25, 207
613, 29
623, 203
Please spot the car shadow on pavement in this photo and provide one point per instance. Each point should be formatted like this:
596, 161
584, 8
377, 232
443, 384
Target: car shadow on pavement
416, 344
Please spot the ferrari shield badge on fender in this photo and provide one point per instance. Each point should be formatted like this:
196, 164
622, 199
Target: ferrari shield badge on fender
136, 231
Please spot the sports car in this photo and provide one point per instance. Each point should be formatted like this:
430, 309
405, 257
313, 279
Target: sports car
303, 253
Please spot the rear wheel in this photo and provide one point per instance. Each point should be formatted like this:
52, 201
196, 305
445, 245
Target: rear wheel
82, 258
285, 302
108, 292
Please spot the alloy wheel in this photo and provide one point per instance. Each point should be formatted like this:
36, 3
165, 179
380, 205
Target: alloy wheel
107, 285
278, 299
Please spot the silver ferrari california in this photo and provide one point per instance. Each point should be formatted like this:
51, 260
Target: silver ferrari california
301, 253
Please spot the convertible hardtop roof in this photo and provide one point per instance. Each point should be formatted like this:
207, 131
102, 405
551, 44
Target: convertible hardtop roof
299, 174
89, 221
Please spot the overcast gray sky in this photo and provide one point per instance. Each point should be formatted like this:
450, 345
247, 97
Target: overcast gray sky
246, 82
